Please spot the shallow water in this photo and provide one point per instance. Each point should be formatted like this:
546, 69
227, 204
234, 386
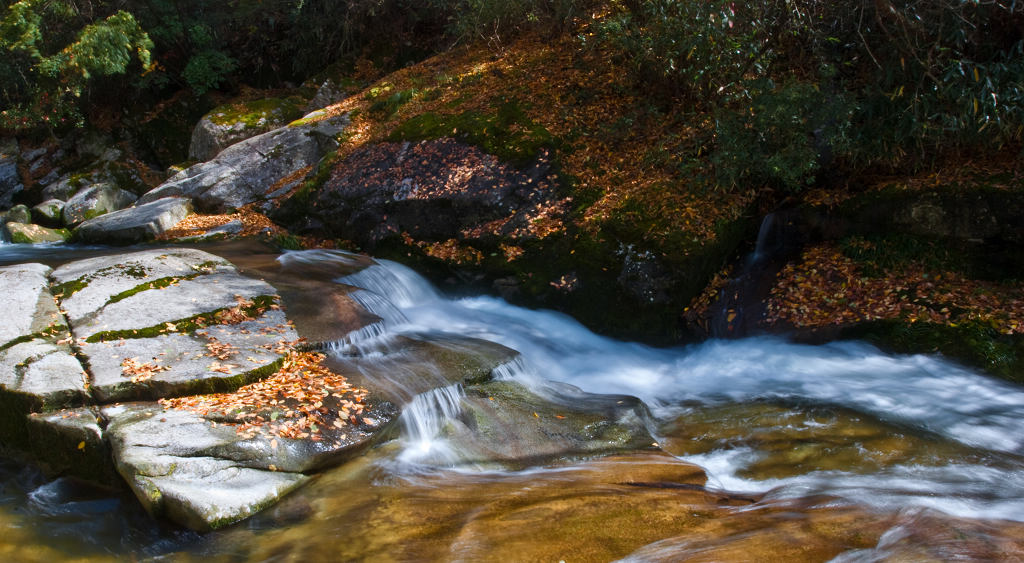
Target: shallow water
768, 449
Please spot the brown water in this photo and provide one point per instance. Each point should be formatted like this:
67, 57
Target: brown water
767, 451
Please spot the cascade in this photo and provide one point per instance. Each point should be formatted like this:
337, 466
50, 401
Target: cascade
422, 421
924, 393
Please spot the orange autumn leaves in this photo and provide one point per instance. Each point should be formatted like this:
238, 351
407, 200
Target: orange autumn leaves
826, 287
138, 371
299, 401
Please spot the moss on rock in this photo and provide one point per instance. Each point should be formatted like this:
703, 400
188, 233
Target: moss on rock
189, 325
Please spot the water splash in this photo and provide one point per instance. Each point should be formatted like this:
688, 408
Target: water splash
422, 422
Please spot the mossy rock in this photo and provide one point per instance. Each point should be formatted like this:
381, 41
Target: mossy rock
506, 132
228, 124
34, 234
18, 214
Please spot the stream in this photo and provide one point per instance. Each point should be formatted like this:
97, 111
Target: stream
811, 453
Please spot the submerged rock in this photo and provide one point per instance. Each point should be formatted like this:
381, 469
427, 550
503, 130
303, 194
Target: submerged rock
256, 168
504, 422
135, 224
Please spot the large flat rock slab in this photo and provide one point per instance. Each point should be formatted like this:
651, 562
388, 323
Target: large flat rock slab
84, 287
169, 322
26, 301
206, 461
44, 372
160, 455
216, 358
238, 413
36, 363
135, 224
37, 369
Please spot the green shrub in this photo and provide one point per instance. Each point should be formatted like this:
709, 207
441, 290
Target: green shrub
777, 135
909, 80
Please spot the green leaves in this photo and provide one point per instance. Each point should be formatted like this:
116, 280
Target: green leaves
50, 76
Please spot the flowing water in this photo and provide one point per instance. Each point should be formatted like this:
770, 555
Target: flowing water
766, 450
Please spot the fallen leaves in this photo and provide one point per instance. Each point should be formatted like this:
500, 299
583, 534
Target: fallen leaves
299, 401
139, 372
826, 287
220, 350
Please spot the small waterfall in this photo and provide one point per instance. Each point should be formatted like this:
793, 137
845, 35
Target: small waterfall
371, 341
761, 247
321, 258
385, 288
927, 394
402, 286
515, 368
741, 304
424, 418
379, 305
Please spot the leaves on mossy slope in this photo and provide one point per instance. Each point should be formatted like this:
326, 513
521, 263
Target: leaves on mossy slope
825, 287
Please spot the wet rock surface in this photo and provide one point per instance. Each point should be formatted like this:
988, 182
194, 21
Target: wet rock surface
504, 422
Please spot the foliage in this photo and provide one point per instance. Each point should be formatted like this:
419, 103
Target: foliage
43, 78
778, 138
894, 82
826, 287
495, 20
692, 50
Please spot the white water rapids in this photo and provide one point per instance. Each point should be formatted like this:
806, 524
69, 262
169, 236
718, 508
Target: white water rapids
925, 394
